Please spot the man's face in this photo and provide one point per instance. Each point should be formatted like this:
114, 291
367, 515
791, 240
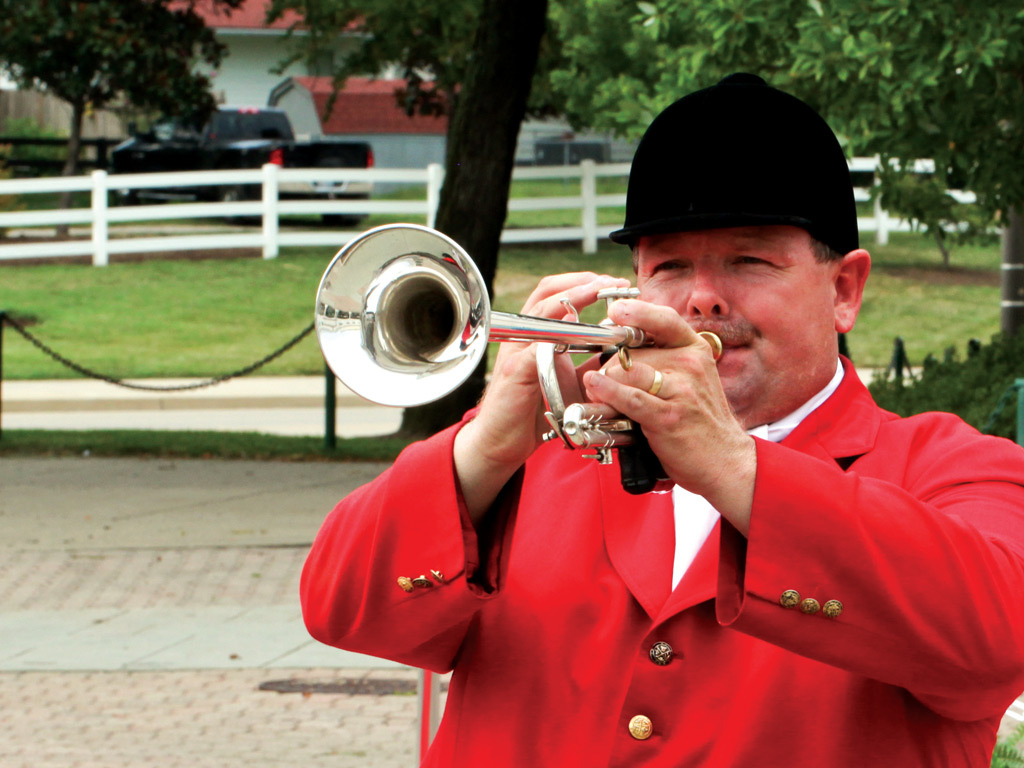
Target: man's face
776, 308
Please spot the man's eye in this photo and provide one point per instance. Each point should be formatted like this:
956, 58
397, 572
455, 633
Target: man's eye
666, 266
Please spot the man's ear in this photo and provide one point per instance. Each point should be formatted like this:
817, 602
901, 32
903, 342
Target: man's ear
849, 278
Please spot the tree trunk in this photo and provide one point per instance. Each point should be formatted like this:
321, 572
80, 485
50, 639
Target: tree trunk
1012, 316
71, 161
482, 138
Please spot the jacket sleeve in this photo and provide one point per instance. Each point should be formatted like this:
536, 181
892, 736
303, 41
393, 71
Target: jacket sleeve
925, 559
396, 570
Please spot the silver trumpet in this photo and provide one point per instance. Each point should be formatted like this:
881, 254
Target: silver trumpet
403, 318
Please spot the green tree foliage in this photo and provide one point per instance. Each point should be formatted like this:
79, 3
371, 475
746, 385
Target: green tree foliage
473, 60
429, 44
91, 53
941, 80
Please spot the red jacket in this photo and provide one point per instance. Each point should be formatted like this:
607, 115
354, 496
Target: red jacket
915, 526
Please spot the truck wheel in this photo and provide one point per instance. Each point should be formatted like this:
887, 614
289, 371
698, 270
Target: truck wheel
236, 195
342, 219
125, 197
345, 219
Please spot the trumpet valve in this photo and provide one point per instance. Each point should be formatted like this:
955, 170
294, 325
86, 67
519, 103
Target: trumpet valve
584, 429
611, 295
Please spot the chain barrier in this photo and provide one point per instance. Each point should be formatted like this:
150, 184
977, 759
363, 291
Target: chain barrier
46, 349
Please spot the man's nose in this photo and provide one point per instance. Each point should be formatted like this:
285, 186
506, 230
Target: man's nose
706, 299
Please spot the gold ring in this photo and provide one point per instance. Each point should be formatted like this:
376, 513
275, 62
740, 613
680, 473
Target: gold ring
713, 341
625, 359
655, 387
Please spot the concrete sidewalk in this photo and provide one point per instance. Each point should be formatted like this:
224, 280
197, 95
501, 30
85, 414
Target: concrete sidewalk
149, 615
283, 405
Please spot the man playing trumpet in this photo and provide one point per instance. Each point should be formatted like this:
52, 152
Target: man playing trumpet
825, 584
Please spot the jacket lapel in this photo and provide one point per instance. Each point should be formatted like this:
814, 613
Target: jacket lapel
700, 582
639, 536
639, 531
845, 426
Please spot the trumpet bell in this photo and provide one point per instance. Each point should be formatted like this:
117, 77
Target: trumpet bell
402, 315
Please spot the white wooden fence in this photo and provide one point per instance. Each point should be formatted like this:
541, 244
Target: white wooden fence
109, 231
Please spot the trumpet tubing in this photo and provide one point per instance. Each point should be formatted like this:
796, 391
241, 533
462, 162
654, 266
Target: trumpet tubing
403, 318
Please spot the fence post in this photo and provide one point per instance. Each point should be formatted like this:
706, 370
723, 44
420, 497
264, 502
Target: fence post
435, 178
100, 228
270, 215
588, 203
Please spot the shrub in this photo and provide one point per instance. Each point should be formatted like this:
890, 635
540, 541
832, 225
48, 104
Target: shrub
977, 388
45, 160
1007, 753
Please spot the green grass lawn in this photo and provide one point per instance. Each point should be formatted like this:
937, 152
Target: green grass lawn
209, 317
202, 318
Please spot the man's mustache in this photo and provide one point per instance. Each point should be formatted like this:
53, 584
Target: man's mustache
733, 333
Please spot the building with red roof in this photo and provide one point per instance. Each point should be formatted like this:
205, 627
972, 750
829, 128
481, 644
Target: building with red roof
255, 49
367, 109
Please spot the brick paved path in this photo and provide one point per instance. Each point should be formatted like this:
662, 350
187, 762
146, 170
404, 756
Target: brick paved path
201, 719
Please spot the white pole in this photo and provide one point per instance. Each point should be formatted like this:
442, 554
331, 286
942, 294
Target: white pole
435, 178
100, 228
588, 193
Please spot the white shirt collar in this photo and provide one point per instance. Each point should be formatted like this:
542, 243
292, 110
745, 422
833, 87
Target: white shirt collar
695, 518
779, 430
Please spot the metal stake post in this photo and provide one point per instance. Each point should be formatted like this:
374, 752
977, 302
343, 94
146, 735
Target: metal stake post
330, 408
1020, 411
3, 320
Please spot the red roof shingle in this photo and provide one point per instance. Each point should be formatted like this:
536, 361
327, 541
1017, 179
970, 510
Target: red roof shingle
251, 14
367, 105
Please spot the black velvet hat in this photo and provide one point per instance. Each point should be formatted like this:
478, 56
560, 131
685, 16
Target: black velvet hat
740, 153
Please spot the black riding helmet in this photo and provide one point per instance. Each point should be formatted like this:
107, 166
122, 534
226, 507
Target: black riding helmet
740, 153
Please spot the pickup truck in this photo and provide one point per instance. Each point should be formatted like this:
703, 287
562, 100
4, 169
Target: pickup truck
240, 137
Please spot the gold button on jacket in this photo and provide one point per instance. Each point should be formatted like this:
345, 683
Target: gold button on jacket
810, 605
832, 608
661, 653
789, 599
641, 727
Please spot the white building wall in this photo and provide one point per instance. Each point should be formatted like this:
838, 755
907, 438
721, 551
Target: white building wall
298, 104
244, 77
248, 71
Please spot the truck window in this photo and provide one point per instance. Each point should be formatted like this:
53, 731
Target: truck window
172, 129
224, 126
274, 125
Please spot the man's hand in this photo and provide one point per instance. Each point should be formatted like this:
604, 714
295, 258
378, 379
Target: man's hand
510, 422
688, 422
